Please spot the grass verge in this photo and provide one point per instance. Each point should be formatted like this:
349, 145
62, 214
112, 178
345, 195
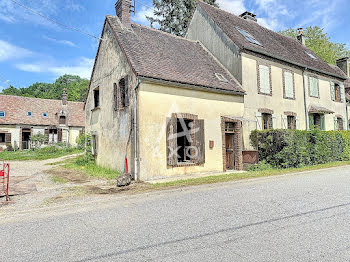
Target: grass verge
58, 180
241, 176
38, 154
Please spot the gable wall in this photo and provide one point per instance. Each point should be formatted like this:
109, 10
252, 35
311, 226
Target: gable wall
112, 127
202, 28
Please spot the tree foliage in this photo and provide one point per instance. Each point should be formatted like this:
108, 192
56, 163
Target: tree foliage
173, 16
319, 42
75, 86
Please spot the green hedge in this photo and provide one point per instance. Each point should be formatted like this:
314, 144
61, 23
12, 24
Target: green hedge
295, 148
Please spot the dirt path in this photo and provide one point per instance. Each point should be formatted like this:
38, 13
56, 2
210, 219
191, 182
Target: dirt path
36, 184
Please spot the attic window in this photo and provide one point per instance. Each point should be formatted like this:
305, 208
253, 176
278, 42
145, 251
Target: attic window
44, 114
248, 36
221, 77
29, 113
311, 55
2, 114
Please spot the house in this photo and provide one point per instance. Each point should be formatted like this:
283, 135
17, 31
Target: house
22, 117
344, 65
286, 84
174, 106
162, 101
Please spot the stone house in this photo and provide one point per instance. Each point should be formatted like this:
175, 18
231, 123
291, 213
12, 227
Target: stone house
22, 117
286, 84
175, 106
344, 65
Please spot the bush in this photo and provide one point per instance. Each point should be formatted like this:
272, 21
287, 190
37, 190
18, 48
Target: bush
295, 148
261, 166
84, 143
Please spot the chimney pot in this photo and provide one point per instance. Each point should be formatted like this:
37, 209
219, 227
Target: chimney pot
249, 16
122, 9
64, 97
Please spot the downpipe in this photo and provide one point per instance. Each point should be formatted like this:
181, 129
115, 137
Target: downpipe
136, 173
305, 104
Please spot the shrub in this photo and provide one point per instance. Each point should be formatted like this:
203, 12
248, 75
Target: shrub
261, 166
295, 148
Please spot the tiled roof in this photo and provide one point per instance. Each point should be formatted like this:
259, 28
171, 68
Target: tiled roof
273, 44
16, 108
159, 55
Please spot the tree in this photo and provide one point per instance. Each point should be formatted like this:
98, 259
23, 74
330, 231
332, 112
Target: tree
75, 86
319, 42
173, 16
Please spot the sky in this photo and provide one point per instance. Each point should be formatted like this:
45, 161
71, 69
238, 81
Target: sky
32, 49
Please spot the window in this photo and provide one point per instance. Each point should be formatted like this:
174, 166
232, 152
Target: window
124, 92
337, 92
5, 138
221, 77
311, 55
62, 120
264, 80
248, 36
288, 85
2, 137
185, 140
29, 113
340, 125
96, 97
44, 114
291, 121
316, 121
115, 96
229, 127
94, 144
2, 113
313, 87
266, 121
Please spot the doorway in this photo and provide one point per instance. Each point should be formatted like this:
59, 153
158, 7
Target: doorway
26, 133
230, 152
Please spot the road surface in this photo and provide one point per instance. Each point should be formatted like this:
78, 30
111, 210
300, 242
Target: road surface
301, 217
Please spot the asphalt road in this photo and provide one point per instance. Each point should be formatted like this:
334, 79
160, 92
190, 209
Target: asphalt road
303, 217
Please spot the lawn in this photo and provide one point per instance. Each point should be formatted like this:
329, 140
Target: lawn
38, 154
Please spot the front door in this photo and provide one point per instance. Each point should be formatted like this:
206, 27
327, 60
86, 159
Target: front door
230, 156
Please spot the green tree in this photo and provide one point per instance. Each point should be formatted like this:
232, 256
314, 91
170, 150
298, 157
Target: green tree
319, 42
75, 86
173, 16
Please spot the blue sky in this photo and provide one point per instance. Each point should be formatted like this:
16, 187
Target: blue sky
34, 50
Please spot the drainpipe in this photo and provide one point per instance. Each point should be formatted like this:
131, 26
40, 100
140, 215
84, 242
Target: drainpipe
305, 104
346, 114
136, 176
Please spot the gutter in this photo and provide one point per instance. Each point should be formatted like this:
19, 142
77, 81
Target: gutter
136, 173
191, 86
291, 62
305, 104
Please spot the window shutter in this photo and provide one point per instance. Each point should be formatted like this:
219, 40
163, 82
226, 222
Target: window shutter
332, 91
171, 141
7, 138
126, 91
59, 131
297, 123
342, 93
344, 124
335, 119
94, 144
273, 122
313, 86
288, 85
323, 122
258, 121
284, 122
199, 140
264, 75
115, 96
311, 121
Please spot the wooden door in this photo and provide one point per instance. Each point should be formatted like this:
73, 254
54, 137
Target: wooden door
230, 156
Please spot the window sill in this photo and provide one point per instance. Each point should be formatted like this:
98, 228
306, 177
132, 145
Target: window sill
315, 97
289, 98
184, 164
95, 109
265, 94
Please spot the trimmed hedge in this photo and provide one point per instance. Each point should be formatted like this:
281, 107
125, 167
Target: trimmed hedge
296, 148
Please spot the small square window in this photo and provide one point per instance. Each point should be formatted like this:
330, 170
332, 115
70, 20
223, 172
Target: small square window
2, 113
44, 114
29, 113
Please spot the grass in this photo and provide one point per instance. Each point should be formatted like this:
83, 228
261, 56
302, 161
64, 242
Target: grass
91, 169
58, 180
38, 154
246, 175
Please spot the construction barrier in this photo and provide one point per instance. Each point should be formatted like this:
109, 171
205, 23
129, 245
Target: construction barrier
4, 180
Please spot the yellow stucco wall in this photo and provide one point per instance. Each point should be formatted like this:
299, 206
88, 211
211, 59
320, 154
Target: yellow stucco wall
157, 102
276, 102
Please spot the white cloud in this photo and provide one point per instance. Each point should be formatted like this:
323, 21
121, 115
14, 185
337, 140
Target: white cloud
233, 6
140, 16
82, 68
71, 5
58, 41
9, 51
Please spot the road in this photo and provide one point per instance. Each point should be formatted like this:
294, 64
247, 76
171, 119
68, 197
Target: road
300, 217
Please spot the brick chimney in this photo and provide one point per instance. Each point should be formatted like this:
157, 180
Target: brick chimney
64, 97
344, 65
122, 9
249, 16
300, 36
